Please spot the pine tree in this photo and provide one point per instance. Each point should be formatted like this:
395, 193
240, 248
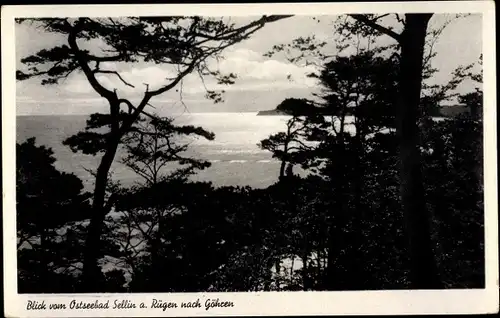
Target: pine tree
184, 43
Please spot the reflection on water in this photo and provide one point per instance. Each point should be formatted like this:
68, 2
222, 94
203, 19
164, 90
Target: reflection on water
236, 159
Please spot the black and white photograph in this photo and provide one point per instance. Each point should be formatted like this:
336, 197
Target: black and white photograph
247, 151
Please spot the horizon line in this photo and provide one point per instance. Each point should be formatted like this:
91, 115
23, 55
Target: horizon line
183, 113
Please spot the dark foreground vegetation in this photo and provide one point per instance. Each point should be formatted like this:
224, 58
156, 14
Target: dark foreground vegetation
347, 225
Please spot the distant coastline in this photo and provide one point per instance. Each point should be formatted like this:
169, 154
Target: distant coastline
444, 111
272, 112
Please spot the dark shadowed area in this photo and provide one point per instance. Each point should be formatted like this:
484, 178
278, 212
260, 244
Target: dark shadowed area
267, 153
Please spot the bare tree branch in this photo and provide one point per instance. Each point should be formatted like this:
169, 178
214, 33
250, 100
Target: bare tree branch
115, 73
130, 106
82, 61
113, 58
362, 18
229, 34
149, 94
400, 20
380, 17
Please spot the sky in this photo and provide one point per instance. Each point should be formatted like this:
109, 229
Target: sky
262, 83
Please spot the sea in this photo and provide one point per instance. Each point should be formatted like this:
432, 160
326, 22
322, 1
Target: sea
236, 159
234, 154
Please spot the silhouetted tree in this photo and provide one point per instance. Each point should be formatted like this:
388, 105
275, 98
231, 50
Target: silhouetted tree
409, 48
48, 203
154, 143
151, 145
453, 152
343, 222
285, 146
182, 42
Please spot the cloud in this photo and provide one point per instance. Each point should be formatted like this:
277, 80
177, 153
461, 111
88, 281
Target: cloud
249, 64
253, 71
154, 76
242, 53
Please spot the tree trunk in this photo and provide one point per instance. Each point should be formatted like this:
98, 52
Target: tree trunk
335, 273
282, 169
44, 253
156, 261
356, 221
318, 262
283, 160
92, 274
306, 281
423, 269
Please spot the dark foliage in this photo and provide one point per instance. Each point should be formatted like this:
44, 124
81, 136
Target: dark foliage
47, 200
342, 226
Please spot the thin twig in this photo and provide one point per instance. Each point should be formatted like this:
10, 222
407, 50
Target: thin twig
98, 71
